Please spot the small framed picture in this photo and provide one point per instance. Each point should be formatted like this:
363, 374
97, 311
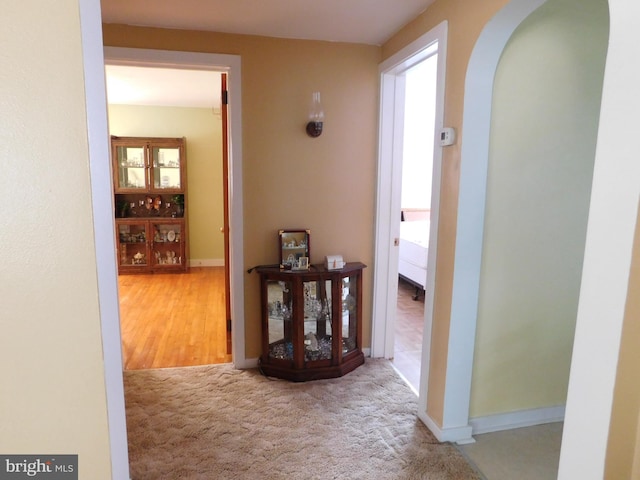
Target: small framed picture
303, 263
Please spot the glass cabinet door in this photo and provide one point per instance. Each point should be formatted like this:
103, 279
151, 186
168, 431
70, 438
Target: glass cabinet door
167, 248
132, 243
317, 320
131, 171
349, 314
279, 305
166, 168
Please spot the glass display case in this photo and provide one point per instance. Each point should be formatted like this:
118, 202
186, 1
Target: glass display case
145, 246
311, 321
150, 201
153, 165
133, 245
132, 169
167, 247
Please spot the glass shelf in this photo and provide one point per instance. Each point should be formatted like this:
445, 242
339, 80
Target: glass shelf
280, 311
166, 168
151, 165
131, 167
317, 320
133, 247
167, 249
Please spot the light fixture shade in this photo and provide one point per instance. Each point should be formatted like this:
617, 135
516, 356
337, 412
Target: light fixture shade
316, 116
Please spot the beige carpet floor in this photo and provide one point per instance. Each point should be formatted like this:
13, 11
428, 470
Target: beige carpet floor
215, 422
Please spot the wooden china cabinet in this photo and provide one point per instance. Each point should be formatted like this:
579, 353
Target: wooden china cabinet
150, 198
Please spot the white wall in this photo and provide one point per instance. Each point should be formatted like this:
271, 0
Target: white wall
419, 125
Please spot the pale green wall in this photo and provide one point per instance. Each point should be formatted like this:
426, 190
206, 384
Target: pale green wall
545, 117
202, 129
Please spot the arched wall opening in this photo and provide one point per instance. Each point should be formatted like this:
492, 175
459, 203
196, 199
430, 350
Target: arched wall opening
544, 124
512, 172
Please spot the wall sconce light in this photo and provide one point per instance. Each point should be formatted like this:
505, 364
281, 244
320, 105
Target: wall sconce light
316, 116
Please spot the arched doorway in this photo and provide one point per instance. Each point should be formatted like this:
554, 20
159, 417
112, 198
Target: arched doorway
479, 211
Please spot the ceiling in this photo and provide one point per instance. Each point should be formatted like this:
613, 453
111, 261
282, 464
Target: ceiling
162, 87
355, 21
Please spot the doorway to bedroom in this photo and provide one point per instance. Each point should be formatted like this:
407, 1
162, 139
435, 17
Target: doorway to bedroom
400, 78
417, 165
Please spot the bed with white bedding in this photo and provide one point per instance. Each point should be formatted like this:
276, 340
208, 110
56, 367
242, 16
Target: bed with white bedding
414, 249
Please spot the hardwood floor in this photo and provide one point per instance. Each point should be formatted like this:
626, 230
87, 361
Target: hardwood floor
178, 320
173, 320
407, 348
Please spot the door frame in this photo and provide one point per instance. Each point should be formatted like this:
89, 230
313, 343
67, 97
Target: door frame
230, 64
388, 196
224, 108
104, 231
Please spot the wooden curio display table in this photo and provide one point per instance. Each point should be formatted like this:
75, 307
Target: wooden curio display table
311, 321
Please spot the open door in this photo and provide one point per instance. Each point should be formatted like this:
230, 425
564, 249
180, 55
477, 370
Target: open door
392, 100
225, 190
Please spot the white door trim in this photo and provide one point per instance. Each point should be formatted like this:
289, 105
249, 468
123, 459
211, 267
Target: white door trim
232, 65
104, 235
388, 198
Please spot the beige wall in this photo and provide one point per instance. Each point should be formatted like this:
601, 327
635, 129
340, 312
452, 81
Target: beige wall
635, 468
290, 180
623, 449
466, 19
52, 398
546, 106
202, 129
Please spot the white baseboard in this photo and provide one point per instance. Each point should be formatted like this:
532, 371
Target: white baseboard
206, 262
247, 363
459, 435
519, 419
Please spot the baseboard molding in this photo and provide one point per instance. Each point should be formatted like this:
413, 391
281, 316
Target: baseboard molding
246, 363
459, 435
519, 419
206, 262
